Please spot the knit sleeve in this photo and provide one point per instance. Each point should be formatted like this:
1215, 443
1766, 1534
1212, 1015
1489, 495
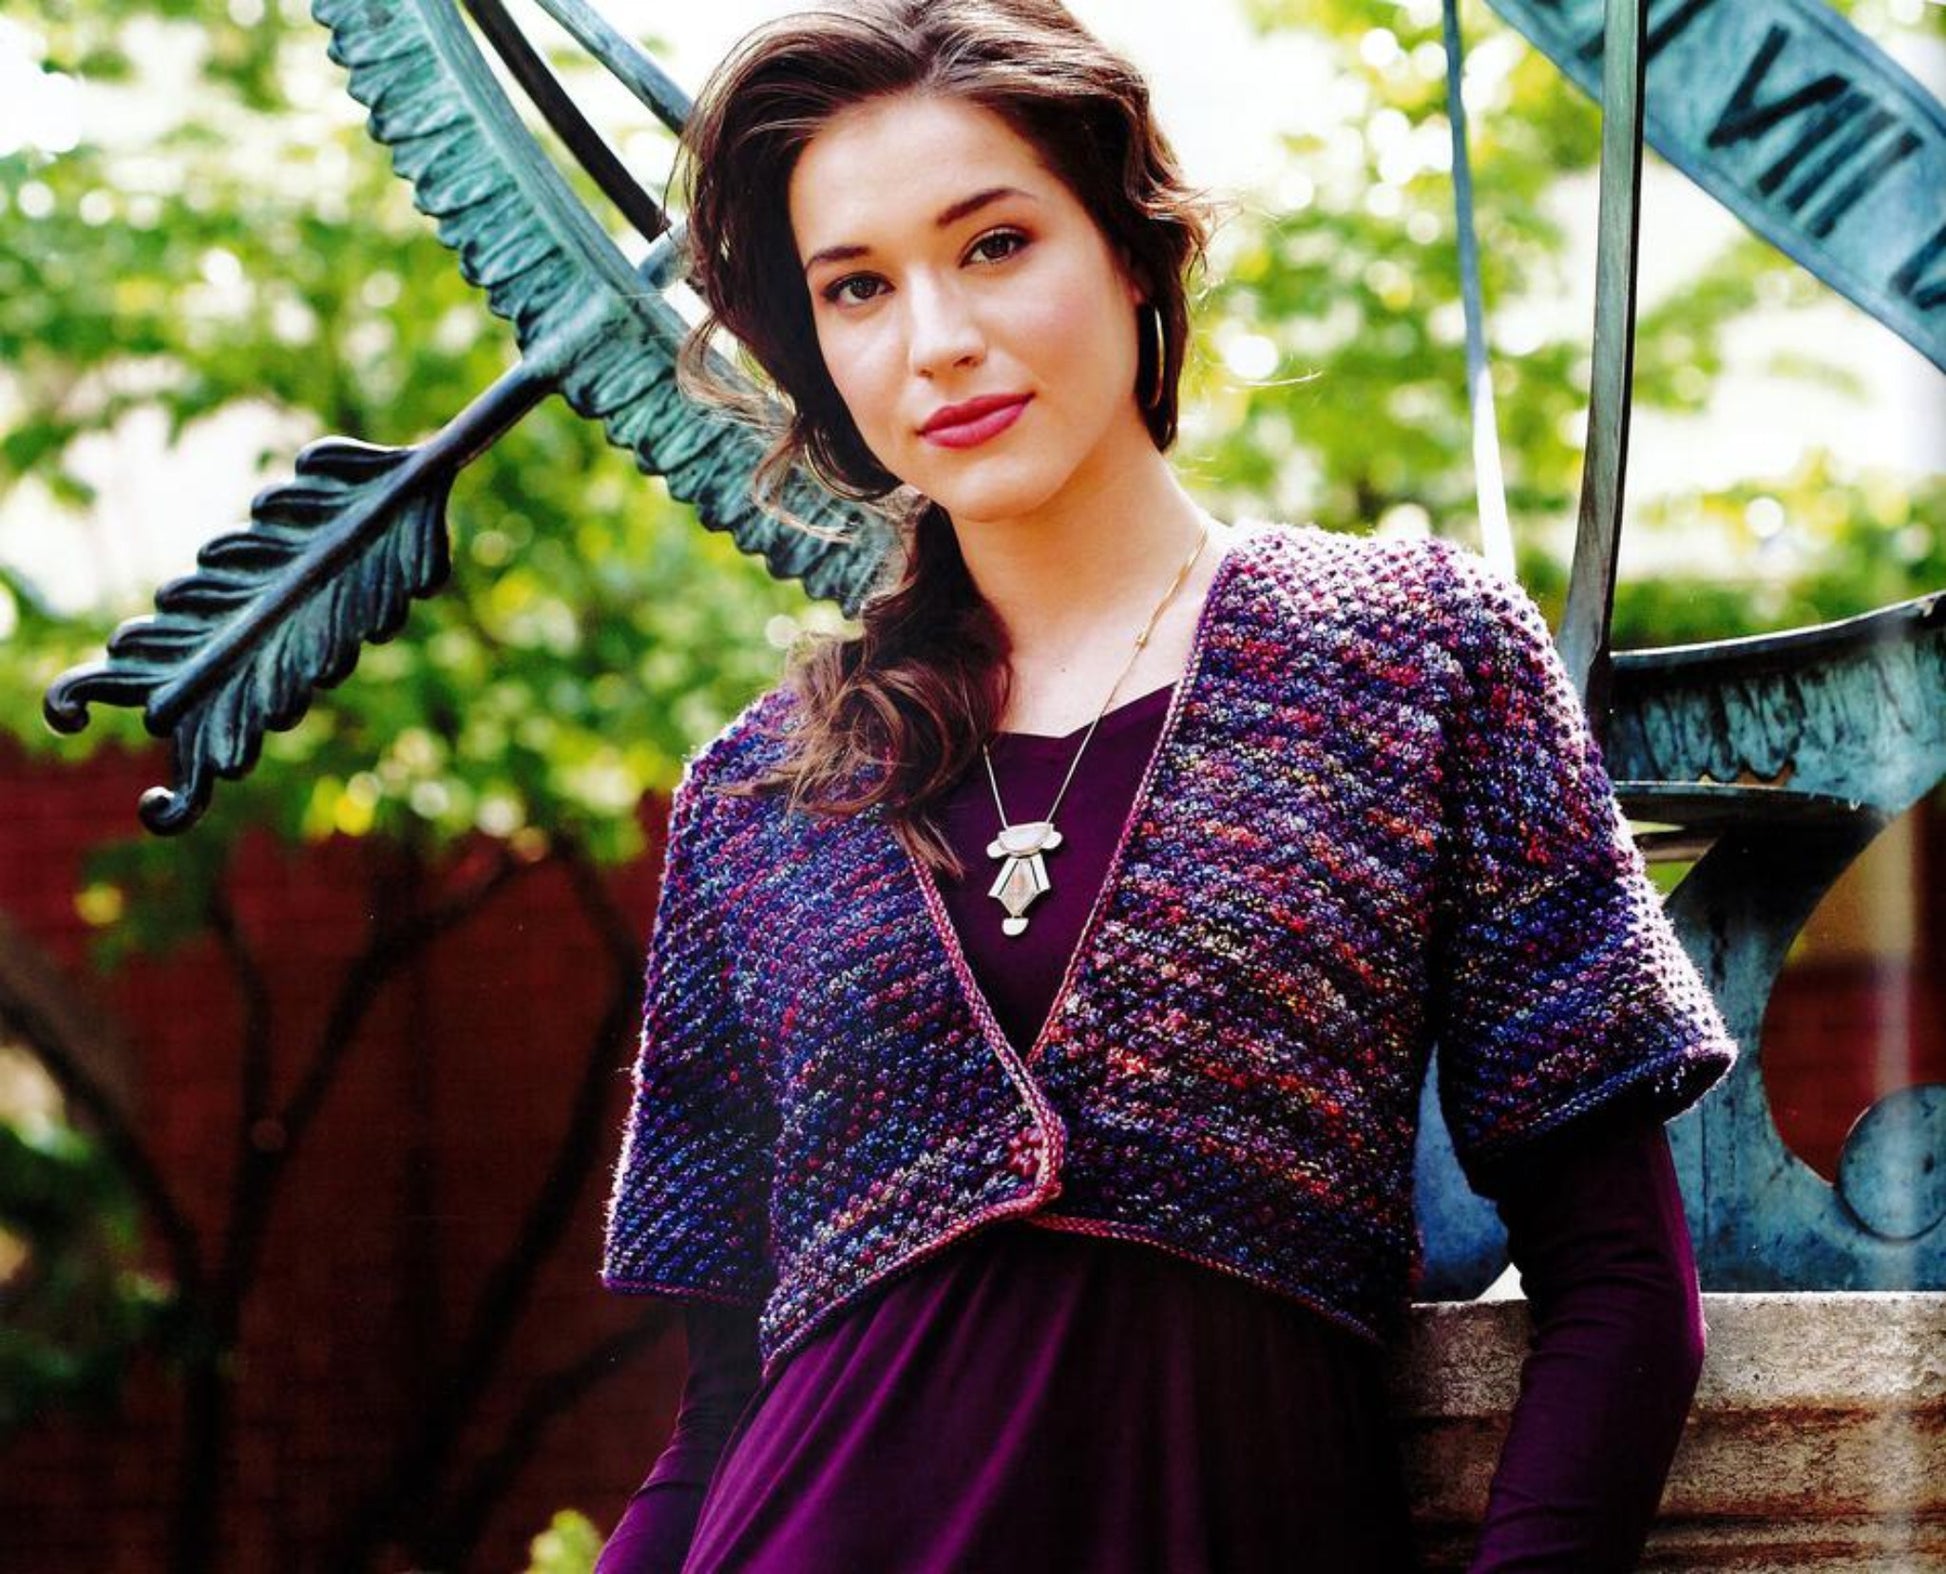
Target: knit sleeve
1559, 983
688, 1213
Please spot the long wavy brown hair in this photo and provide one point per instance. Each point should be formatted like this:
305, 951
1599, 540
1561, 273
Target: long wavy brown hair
896, 713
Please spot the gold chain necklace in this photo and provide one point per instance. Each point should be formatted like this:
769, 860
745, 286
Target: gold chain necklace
1022, 879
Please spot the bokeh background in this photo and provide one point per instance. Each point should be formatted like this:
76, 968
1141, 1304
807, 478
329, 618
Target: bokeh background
306, 1118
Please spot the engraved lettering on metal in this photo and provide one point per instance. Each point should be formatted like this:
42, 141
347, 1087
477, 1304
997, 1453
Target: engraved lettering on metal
1802, 127
1772, 762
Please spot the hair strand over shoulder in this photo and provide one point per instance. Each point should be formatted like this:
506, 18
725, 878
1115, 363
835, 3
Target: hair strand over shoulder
896, 714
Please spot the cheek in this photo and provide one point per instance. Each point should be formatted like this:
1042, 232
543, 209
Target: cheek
859, 370
1081, 320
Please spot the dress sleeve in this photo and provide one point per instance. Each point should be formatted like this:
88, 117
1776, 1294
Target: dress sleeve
688, 1212
657, 1526
1559, 985
1595, 1224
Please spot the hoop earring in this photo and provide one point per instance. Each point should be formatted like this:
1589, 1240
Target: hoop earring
1152, 397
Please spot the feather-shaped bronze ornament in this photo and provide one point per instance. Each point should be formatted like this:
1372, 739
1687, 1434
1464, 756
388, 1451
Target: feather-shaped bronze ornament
332, 559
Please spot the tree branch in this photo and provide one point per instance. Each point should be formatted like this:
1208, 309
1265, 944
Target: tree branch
258, 1016
449, 1540
411, 1480
389, 950
32, 1026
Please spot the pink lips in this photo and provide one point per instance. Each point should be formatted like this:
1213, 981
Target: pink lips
986, 418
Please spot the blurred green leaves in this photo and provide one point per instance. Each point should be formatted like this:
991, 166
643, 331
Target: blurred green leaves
78, 1310
257, 248
569, 1545
247, 246
1332, 381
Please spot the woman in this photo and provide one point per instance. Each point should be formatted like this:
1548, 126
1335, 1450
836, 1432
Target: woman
1042, 1200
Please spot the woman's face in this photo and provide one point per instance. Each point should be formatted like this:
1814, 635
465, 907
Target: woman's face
947, 264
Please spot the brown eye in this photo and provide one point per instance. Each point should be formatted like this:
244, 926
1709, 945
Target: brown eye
834, 292
1012, 238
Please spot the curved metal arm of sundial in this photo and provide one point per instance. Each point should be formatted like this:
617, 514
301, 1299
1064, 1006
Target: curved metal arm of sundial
333, 558
1802, 126
1852, 711
1779, 758
1583, 637
1798, 123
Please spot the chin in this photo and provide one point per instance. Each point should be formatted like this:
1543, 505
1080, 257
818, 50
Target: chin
997, 511
995, 497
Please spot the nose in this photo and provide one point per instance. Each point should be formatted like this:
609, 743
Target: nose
942, 328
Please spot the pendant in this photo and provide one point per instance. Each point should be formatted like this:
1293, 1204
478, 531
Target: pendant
1023, 876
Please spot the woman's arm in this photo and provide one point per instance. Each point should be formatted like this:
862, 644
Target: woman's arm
1595, 1224
654, 1533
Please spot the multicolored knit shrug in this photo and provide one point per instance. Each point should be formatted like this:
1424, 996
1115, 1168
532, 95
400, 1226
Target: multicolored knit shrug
1376, 821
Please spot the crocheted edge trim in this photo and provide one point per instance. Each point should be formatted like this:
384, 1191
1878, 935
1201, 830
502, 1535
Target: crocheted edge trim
1080, 1224
677, 1292
1702, 1062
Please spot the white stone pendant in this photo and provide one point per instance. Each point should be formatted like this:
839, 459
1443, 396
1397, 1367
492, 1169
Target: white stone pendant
1023, 875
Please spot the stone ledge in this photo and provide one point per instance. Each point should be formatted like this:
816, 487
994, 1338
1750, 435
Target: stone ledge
1817, 1440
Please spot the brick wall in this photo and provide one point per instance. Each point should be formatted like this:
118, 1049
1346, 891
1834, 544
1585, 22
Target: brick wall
411, 1186
435, 1139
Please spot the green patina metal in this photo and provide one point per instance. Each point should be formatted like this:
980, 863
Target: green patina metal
333, 558
1771, 762
1778, 759
1841, 727
1802, 127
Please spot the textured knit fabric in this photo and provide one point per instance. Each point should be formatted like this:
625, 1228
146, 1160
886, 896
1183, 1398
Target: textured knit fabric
1375, 821
1030, 1399
1594, 1220
1020, 975
1595, 1223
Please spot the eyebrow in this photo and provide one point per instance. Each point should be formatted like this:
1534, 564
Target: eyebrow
948, 217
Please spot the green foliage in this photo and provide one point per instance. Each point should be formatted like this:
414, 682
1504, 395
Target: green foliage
1354, 277
1821, 544
260, 248
569, 1545
76, 1310
37, 644
1332, 382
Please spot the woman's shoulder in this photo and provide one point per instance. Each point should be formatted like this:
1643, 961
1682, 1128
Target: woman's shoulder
747, 743
1415, 583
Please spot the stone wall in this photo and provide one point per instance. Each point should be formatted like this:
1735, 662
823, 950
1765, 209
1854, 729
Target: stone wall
1816, 1443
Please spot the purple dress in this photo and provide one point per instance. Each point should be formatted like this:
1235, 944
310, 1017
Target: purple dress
1037, 1400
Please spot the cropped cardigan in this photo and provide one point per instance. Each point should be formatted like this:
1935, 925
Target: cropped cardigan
1375, 825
